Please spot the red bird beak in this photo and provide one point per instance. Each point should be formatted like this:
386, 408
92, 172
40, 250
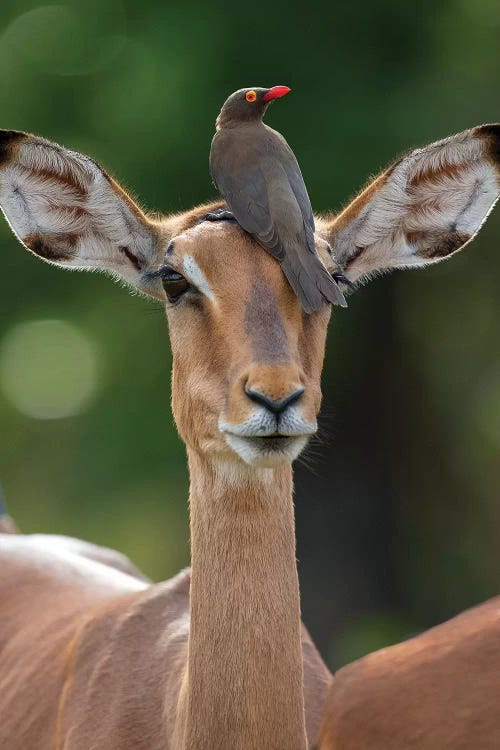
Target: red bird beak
275, 93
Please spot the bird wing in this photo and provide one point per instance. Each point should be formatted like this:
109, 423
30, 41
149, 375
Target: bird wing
256, 172
299, 189
247, 198
241, 179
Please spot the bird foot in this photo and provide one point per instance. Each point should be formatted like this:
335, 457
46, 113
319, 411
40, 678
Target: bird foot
340, 278
221, 214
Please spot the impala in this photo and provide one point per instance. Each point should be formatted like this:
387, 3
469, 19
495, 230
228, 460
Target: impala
93, 656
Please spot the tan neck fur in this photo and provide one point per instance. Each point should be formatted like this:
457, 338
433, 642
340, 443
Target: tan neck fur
244, 683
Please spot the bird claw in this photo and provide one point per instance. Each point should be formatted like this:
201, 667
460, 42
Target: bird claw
220, 214
340, 278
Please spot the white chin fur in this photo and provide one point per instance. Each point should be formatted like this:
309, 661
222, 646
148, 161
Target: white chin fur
255, 452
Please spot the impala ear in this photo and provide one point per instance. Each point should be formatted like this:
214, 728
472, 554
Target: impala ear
425, 207
68, 211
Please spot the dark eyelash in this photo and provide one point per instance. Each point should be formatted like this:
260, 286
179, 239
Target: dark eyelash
161, 273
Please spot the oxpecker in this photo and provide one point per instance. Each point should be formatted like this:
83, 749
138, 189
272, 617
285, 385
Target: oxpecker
256, 172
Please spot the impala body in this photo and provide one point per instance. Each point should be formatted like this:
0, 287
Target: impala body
93, 656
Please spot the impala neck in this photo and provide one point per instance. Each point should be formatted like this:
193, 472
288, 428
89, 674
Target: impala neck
244, 684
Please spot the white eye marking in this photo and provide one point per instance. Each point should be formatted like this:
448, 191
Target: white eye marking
196, 275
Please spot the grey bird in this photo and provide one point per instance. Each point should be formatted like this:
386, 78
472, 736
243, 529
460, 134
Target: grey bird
256, 172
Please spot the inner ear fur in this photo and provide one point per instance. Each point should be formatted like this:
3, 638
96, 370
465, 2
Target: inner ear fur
426, 206
67, 210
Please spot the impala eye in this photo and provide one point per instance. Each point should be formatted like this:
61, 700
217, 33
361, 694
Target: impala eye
174, 284
250, 96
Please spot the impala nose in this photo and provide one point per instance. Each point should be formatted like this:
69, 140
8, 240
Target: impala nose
276, 406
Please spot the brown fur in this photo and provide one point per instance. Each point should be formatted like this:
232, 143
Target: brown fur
125, 197
264, 325
408, 216
355, 206
438, 691
91, 656
432, 175
491, 133
432, 246
129, 671
53, 247
8, 141
68, 178
138, 264
214, 356
180, 223
224, 352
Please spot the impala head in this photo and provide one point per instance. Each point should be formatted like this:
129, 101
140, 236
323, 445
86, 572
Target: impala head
247, 359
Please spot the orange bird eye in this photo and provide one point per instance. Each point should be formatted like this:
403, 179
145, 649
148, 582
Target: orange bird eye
250, 96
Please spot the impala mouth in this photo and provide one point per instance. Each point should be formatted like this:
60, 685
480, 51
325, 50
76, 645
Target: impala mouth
276, 442
267, 450
266, 439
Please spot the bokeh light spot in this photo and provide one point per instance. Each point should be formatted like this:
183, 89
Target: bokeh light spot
69, 38
48, 369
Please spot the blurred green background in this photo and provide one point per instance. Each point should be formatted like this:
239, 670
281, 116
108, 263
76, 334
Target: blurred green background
398, 516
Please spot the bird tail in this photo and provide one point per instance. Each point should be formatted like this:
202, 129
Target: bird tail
310, 281
7, 525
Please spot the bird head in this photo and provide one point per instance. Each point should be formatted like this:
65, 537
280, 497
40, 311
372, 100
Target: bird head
247, 105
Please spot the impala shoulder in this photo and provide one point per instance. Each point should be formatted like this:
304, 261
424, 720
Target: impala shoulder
417, 692
63, 561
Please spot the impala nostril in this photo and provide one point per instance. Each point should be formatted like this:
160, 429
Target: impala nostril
275, 405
